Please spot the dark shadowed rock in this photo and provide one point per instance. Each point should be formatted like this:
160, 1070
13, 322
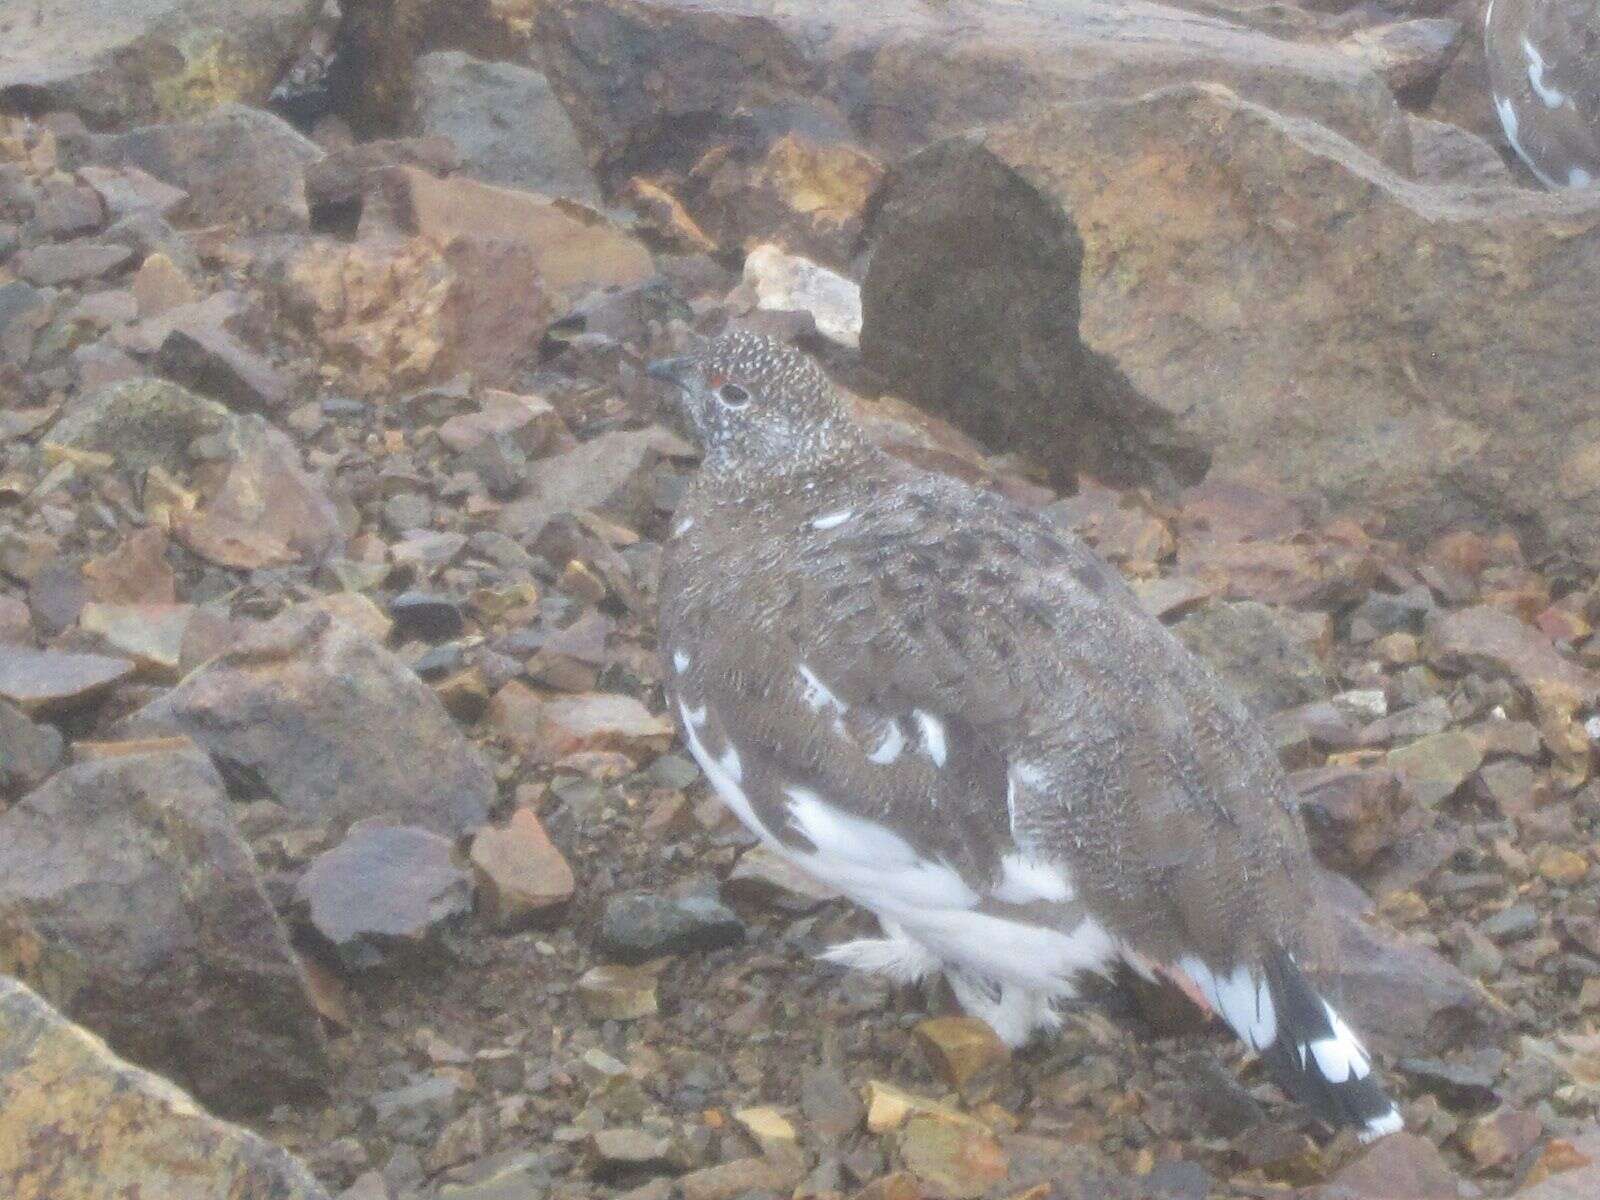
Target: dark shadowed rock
383, 896
213, 362
643, 925
128, 897
293, 709
83, 1124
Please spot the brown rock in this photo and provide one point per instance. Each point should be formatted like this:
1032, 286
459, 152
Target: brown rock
1487, 638
959, 1049
398, 312
128, 897
230, 543
149, 634
83, 1124
766, 877
1402, 1166
600, 721
294, 703
613, 992
1410, 55
522, 878
1572, 1170
1502, 1137
1097, 161
146, 60
239, 165
626, 71
531, 421
41, 681
159, 286
128, 190
957, 1159
575, 249
1403, 997
610, 473
136, 572
726, 1181
1351, 813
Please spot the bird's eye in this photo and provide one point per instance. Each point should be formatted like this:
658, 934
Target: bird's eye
732, 395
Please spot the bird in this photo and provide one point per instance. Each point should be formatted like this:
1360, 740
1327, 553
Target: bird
1544, 74
959, 717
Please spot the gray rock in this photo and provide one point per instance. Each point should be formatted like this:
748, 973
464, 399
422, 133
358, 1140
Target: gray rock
609, 473
118, 61
83, 1123
1254, 650
294, 708
28, 752
54, 680
383, 896
73, 262
239, 165
638, 926
134, 903
506, 121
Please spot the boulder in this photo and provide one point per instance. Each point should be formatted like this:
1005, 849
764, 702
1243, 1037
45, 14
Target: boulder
1401, 996
653, 84
575, 249
292, 709
1260, 280
506, 122
395, 312
383, 897
116, 62
265, 507
240, 166
128, 897
83, 1124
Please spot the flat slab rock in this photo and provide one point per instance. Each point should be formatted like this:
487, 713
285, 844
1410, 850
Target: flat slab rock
293, 709
130, 898
50, 680
384, 895
83, 1124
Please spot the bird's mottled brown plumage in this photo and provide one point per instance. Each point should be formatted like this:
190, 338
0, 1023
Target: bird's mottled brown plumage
933, 660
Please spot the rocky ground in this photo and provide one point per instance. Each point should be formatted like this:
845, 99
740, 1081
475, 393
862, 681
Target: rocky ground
334, 782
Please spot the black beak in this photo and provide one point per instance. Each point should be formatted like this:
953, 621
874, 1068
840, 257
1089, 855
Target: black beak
670, 370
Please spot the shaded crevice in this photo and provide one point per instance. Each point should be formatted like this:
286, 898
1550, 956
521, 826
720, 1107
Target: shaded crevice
971, 308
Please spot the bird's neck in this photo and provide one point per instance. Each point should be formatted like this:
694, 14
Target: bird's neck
806, 469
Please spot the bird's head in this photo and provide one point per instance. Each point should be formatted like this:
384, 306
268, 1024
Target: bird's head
754, 402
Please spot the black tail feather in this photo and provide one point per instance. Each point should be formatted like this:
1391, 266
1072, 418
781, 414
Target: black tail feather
1318, 1060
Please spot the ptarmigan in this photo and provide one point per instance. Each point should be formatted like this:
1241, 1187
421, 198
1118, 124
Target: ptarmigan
959, 717
1544, 69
